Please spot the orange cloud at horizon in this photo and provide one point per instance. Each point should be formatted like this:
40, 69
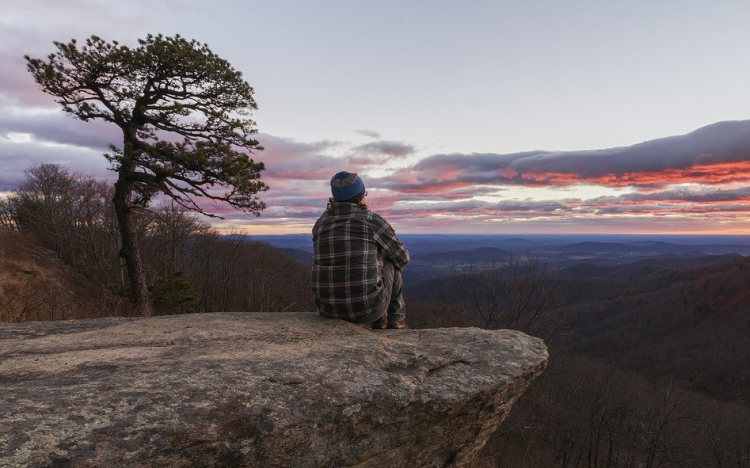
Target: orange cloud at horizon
713, 174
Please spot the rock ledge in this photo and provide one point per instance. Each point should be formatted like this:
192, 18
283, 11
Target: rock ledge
254, 390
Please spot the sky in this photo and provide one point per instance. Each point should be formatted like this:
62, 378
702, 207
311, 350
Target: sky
542, 116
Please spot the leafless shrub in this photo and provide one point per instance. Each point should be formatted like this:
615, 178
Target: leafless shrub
514, 293
6, 215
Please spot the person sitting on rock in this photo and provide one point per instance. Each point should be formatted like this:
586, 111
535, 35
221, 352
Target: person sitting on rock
356, 273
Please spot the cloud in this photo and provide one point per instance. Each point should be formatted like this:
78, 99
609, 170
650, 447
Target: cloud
287, 159
395, 149
16, 157
441, 191
695, 194
718, 154
698, 210
53, 126
368, 133
378, 153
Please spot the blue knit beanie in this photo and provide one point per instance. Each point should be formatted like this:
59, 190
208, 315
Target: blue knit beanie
347, 187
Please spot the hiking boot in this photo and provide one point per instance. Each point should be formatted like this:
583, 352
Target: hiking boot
380, 324
400, 325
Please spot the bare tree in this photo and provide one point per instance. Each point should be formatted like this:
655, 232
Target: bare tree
438, 315
71, 214
7, 221
515, 293
658, 427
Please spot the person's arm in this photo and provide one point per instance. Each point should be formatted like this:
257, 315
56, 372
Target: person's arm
385, 237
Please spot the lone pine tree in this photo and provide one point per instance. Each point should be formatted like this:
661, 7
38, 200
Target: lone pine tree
185, 119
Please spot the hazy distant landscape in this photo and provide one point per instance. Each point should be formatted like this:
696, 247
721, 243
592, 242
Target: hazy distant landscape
434, 255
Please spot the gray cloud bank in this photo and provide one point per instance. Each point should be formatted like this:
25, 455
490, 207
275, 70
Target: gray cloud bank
713, 145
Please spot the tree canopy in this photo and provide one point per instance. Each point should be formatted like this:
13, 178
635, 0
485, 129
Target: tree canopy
184, 113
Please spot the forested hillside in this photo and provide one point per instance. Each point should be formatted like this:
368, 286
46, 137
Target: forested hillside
36, 285
649, 367
190, 267
690, 324
687, 319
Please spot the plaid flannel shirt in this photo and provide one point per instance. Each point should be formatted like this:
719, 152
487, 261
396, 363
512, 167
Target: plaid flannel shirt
350, 245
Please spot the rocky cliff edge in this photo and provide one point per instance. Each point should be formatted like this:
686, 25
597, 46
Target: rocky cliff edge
254, 390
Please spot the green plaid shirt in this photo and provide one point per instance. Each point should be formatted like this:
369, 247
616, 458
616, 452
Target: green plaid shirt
350, 245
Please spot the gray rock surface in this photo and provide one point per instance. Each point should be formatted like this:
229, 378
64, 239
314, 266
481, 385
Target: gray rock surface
254, 390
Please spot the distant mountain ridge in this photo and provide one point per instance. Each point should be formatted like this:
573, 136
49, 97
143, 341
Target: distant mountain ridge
428, 263
482, 254
436, 255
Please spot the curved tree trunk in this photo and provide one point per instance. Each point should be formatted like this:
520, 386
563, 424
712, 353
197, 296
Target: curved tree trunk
129, 249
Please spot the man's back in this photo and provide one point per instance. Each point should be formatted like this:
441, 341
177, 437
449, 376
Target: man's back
350, 245
356, 274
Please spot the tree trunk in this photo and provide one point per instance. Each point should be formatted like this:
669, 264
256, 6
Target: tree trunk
129, 249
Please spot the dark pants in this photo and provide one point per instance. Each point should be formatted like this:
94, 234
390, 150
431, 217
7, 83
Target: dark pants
393, 285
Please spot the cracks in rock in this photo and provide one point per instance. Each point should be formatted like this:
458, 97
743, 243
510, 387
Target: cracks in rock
419, 372
432, 370
287, 381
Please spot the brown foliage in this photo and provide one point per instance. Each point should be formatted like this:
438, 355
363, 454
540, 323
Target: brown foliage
36, 285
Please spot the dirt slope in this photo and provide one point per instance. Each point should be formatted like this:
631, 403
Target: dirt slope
34, 285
